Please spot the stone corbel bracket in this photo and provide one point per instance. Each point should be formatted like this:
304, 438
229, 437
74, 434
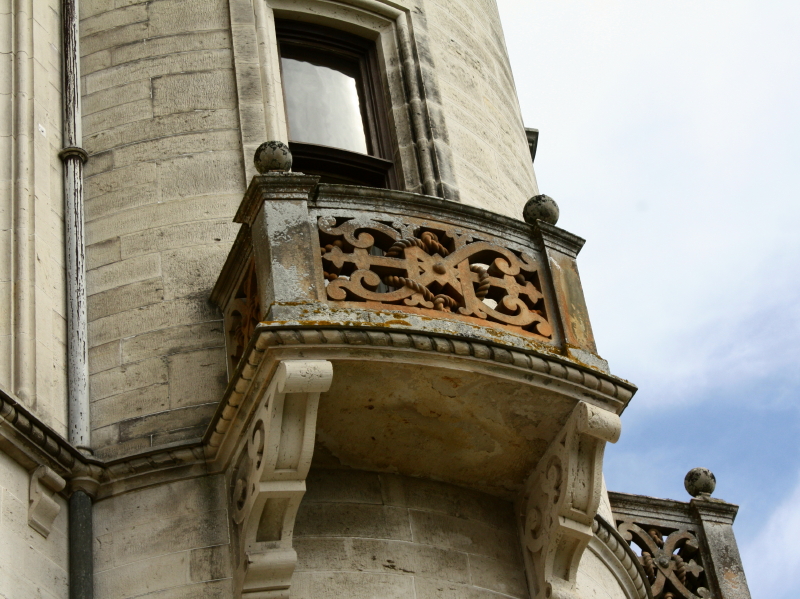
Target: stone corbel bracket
561, 500
266, 455
42, 506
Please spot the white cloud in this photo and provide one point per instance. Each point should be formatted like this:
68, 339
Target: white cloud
669, 136
771, 560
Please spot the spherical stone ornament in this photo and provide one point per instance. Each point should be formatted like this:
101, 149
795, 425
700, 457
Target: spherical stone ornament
273, 156
700, 481
542, 208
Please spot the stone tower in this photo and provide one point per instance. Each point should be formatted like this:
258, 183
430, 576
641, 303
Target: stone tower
337, 364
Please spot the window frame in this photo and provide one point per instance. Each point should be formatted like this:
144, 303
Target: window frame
338, 165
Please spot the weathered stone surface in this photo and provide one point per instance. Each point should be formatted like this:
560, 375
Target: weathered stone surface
177, 236
356, 520
463, 535
192, 271
700, 481
163, 422
500, 576
351, 585
30, 564
130, 404
443, 539
196, 377
173, 340
127, 297
541, 207
130, 376
210, 563
194, 91
149, 318
442, 589
344, 486
367, 555
123, 273
103, 357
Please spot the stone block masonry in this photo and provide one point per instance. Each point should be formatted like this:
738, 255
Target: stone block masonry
30, 564
162, 124
169, 542
480, 107
32, 279
362, 534
164, 179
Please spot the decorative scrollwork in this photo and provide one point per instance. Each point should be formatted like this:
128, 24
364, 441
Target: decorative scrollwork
244, 314
670, 558
431, 266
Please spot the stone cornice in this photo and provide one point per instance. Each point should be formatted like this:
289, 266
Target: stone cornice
31, 442
714, 510
284, 186
558, 239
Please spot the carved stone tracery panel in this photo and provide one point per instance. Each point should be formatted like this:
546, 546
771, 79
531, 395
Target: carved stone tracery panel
433, 266
670, 557
243, 314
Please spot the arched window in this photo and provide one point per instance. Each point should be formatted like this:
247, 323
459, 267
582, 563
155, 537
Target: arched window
335, 110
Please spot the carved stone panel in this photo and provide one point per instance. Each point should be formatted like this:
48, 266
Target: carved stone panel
426, 265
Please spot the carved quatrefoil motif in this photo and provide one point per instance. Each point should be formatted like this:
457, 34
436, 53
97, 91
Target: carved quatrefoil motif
432, 266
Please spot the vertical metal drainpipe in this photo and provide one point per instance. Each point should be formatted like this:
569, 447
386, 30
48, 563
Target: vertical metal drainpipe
81, 567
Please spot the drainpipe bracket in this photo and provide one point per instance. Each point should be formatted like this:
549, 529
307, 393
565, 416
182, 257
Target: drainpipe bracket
86, 478
71, 151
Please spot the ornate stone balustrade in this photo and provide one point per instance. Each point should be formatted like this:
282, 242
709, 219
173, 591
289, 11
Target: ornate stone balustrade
459, 349
686, 550
317, 254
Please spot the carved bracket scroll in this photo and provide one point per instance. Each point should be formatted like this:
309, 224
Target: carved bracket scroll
268, 478
561, 500
42, 507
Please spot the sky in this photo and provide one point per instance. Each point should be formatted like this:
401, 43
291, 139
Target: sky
670, 138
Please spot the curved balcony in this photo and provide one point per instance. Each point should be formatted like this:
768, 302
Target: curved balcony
393, 332
460, 339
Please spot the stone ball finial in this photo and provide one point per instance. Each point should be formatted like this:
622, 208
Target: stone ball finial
273, 156
542, 208
700, 481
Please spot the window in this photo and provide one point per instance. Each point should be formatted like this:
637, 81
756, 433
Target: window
334, 105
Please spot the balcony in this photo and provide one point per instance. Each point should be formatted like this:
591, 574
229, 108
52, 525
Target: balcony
376, 330
460, 338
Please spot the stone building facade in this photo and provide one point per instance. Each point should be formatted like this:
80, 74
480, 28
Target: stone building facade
366, 376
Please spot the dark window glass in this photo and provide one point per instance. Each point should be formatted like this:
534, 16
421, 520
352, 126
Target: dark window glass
334, 105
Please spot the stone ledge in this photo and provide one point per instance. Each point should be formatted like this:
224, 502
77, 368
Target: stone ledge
31, 442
